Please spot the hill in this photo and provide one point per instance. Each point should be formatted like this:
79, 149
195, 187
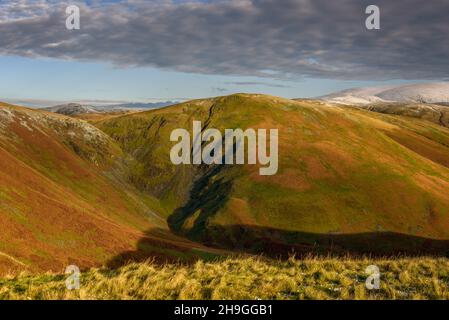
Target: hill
436, 113
427, 101
63, 200
143, 105
437, 92
77, 109
348, 180
97, 113
71, 109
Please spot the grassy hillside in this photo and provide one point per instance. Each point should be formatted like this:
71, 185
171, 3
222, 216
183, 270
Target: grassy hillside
436, 113
62, 199
245, 278
348, 179
96, 117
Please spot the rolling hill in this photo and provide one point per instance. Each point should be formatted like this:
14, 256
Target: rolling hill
77, 109
97, 113
348, 180
63, 201
71, 109
436, 113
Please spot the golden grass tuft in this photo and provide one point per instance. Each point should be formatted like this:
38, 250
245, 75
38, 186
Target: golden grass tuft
245, 278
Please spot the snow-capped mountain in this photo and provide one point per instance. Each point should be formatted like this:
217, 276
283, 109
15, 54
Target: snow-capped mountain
436, 92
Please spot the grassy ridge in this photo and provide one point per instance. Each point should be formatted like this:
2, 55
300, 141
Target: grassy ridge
342, 171
245, 278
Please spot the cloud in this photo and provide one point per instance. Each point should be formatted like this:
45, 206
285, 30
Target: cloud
219, 89
257, 83
271, 38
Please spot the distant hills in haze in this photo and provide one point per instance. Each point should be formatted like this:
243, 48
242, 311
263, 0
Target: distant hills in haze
72, 109
142, 105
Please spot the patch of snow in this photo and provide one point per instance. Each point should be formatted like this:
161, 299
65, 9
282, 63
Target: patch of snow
412, 93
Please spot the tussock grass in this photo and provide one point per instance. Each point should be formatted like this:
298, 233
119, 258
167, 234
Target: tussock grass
245, 278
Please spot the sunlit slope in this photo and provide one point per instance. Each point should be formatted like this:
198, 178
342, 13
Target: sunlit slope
57, 207
342, 171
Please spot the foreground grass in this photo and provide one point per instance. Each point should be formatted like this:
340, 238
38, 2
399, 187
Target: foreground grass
245, 278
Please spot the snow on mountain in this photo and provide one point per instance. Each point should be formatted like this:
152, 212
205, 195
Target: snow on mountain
72, 109
437, 92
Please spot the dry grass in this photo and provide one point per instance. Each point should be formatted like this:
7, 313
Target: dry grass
245, 278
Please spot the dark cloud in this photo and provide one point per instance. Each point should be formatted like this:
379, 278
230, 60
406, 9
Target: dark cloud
273, 38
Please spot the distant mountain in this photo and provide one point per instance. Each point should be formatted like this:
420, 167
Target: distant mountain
428, 101
150, 105
437, 92
436, 113
73, 109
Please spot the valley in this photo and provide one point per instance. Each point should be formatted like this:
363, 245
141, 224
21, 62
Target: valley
63, 201
223, 150
106, 193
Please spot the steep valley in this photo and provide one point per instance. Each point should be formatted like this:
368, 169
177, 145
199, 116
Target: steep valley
348, 180
105, 193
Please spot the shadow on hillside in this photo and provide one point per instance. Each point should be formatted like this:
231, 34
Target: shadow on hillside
159, 246
210, 192
208, 195
281, 244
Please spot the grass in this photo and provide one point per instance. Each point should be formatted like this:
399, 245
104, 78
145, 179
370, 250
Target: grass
245, 278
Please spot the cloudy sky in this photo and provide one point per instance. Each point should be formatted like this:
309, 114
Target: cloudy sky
174, 50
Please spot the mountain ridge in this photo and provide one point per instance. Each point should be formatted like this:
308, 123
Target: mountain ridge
313, 194
349, 180
73, 109
437, 92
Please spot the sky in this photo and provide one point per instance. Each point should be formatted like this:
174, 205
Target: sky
146, 51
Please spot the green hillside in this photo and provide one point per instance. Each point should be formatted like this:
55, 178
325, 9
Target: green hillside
348, 179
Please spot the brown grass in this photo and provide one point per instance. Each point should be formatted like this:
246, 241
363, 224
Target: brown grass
246, 278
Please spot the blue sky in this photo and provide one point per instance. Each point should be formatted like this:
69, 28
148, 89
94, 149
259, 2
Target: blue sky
176, 50
62, 80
